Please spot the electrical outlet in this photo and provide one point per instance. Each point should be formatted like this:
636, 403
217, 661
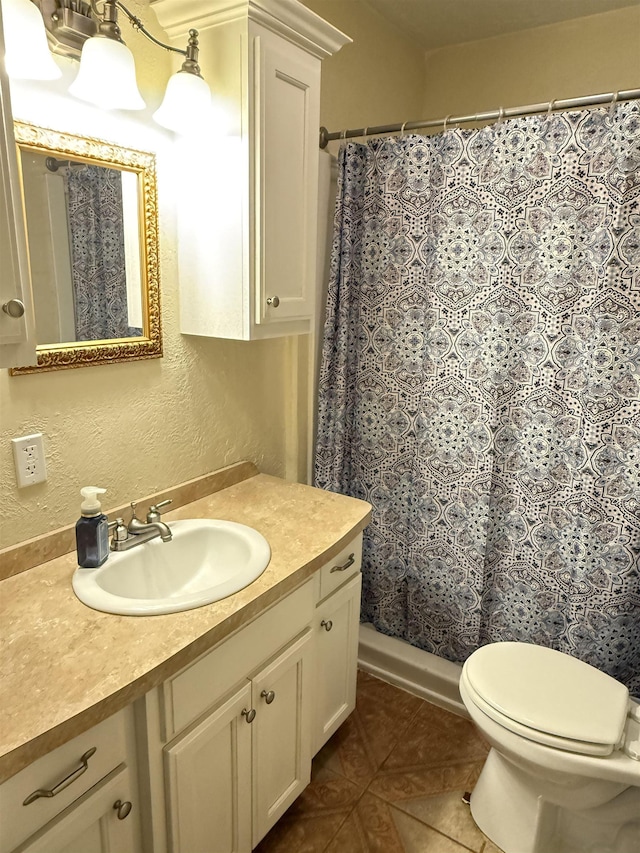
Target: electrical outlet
28, 456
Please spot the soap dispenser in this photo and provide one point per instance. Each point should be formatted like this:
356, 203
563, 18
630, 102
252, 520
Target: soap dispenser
92, 530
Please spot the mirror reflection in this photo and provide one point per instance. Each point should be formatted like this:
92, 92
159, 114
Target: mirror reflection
84, 249
91, 216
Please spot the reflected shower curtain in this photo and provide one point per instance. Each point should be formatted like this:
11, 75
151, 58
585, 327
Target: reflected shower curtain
480, 383
96, 239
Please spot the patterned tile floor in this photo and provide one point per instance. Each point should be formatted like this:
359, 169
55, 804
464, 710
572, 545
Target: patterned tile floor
390, 780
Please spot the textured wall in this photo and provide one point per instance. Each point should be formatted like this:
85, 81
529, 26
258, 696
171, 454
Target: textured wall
138, 427
378, 79
599, 53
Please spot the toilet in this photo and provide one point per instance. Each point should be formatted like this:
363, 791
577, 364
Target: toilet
563, 773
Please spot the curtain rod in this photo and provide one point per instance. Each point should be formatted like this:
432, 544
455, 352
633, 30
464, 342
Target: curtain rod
508, 112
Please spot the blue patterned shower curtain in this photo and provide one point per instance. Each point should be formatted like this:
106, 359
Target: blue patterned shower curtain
480, 383
96, 236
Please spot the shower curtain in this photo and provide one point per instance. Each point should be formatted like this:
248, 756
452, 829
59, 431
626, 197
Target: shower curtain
97, 253
480, 383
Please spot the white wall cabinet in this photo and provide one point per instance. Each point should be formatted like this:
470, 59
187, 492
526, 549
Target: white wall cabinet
17, 330
247, 218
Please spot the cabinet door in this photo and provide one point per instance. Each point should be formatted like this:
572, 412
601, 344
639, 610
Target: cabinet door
281, 734
208, 774
99, 822
17, 333
285, 163
337, 622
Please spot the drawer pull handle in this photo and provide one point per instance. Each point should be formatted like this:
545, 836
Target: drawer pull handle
250, 714
350, 561
268, 695
52, 792
327, 624
122, 809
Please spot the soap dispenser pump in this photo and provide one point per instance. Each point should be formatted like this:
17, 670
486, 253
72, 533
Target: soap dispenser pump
92, 530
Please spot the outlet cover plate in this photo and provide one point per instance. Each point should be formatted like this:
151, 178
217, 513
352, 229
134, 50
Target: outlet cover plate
28, 457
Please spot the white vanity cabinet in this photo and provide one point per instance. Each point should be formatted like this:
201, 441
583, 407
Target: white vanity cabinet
229, 737
336, 626
209, 760
231, 777
80, 798
17, 324
247, 217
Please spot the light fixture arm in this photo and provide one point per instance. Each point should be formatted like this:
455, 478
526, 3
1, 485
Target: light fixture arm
108, 26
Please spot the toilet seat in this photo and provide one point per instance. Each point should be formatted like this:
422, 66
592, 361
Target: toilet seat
548, 697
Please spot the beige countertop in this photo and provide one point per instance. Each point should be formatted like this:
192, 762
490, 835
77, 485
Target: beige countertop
65, 667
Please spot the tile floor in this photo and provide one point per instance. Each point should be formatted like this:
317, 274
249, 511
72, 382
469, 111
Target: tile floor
389, 781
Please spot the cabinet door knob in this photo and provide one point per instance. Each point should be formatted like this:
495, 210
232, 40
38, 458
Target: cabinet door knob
273, 301
268, 695
327, 624
122, 809
64, 783
14, 308
250, 714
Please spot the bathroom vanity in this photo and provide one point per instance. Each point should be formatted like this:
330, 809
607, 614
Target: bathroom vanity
203, 722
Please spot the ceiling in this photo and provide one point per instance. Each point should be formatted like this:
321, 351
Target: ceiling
436, 23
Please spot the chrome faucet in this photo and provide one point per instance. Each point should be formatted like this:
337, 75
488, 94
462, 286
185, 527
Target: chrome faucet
137, 532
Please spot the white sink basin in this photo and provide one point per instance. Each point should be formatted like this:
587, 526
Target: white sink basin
205, 561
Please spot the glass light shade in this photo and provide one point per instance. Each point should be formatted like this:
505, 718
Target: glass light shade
27, 54
186, 106
107, 76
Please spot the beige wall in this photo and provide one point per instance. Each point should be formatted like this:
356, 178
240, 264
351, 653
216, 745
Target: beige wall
600, 53
139, 427
379, 79
136, 428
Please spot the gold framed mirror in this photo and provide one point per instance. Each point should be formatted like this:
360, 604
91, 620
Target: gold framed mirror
92, 232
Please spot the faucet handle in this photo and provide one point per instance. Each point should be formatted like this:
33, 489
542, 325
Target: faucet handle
120, 532
155, 511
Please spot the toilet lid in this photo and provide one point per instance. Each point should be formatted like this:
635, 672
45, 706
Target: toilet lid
549, 691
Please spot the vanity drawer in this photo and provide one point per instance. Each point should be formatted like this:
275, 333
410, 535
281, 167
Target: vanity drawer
343, 567
203, 683
70, 769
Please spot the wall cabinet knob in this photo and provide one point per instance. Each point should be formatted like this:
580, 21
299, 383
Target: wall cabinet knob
327, 624
122, 809
273, 301
268, 696
14, 308
250, 714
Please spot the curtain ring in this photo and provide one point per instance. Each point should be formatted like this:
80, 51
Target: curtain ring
364, 135
614, 101
343, 135
551, 106
500, 115
445, 123
402, 129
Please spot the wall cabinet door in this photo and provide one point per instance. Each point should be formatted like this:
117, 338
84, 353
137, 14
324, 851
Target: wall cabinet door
208, 775
281, 734
17, 330
101, 821
285, 110
336, 627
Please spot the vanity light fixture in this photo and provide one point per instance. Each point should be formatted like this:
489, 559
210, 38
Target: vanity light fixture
23, 26
107, 76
